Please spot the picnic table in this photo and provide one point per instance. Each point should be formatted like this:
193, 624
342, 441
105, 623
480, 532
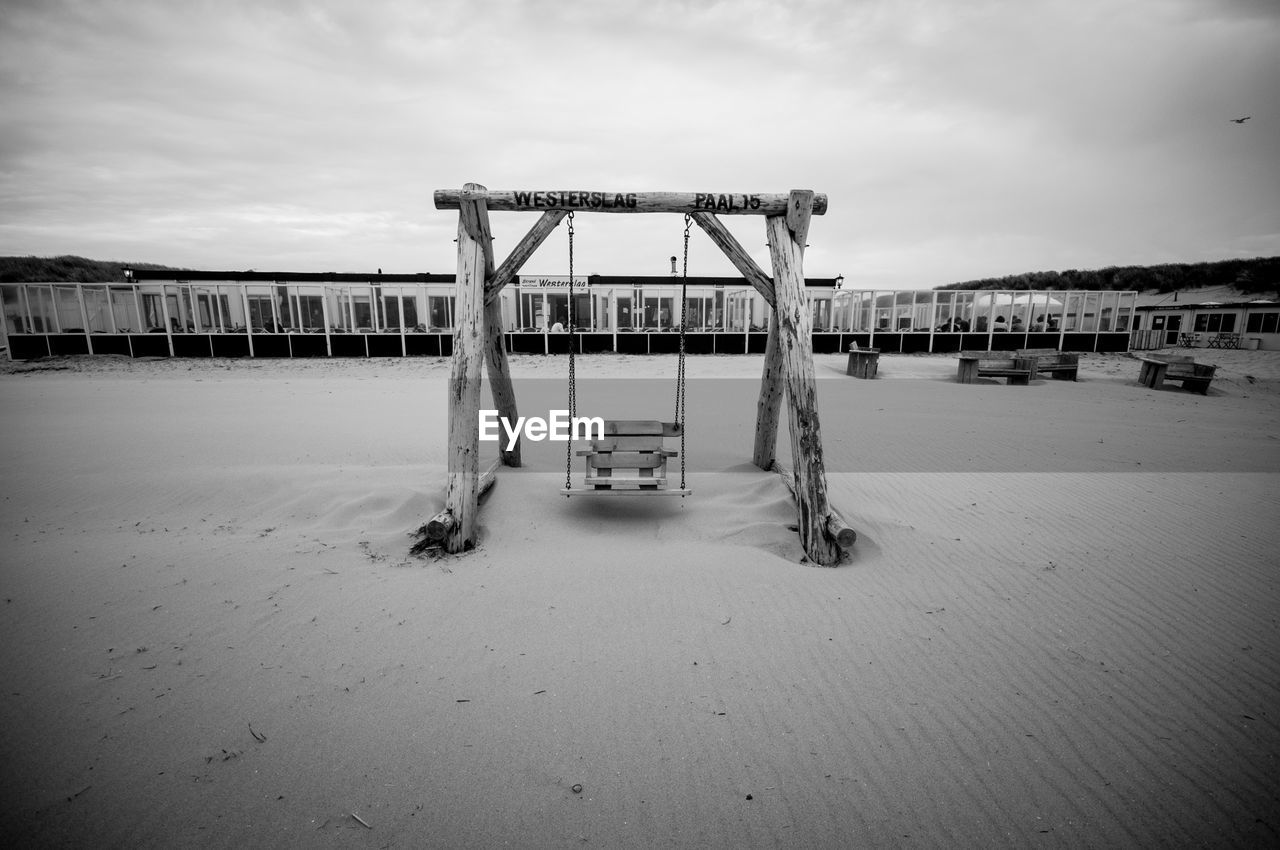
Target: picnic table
990, 364
1157, 369
1062, 365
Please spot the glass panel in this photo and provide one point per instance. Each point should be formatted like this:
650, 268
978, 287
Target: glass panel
362, 309
659, 309
702, 312
884, 311
1000, 308
44, 318
944, 314
1072, 314
97, 309
124, 309
626, 315
152, 308
864, 321
922, 310
1107, 311
308, 308
533, 312
1020, 316
399, 312
262, 313
178, 301
1124, 311
229, 312
740, 310
963, 311
604, 319
1092, 306
391, 320
16, 320
1041, 311
984, 311
205, 310
67, 301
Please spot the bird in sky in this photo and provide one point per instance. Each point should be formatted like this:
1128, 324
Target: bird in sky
1241, 120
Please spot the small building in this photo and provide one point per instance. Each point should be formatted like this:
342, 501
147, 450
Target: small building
1208, 324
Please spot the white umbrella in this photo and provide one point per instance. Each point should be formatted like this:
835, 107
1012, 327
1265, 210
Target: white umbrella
1047, 301
999, 299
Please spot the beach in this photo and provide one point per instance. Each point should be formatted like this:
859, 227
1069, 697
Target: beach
1059, 626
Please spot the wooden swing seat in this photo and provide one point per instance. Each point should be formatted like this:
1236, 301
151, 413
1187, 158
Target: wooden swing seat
629, 459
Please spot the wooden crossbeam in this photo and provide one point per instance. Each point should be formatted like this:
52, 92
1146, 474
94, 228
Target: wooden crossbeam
580, 200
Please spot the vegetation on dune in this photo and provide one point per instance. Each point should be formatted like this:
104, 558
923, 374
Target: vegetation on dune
1253, 276
1258, 275
66, 269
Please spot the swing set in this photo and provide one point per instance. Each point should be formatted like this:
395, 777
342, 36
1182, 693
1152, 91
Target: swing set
631, 457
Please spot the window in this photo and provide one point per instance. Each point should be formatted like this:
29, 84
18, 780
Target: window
261, 311
97, 308
440, 309
153, 311
1262, 323
658, 310
533, 312
124, 307
15, 310
625, 318
69, 316
1215, 322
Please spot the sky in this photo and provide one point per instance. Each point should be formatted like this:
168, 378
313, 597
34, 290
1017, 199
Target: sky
954, 140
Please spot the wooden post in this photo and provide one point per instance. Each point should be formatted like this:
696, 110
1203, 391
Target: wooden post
438, 526
475, 262
787, 235
837, 525
769, 404
500, 387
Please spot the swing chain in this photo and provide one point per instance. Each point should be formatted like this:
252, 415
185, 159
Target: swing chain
573, 382
684, 316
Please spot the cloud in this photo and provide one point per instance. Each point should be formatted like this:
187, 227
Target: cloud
953, 139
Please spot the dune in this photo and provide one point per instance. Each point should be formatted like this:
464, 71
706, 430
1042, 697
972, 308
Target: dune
1057, 627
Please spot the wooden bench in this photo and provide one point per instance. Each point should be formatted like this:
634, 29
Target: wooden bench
630, 458
1063, 365
1175, 367
993, 364
863, 362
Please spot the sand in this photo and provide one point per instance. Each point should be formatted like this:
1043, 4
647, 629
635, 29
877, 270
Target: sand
1058, 626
